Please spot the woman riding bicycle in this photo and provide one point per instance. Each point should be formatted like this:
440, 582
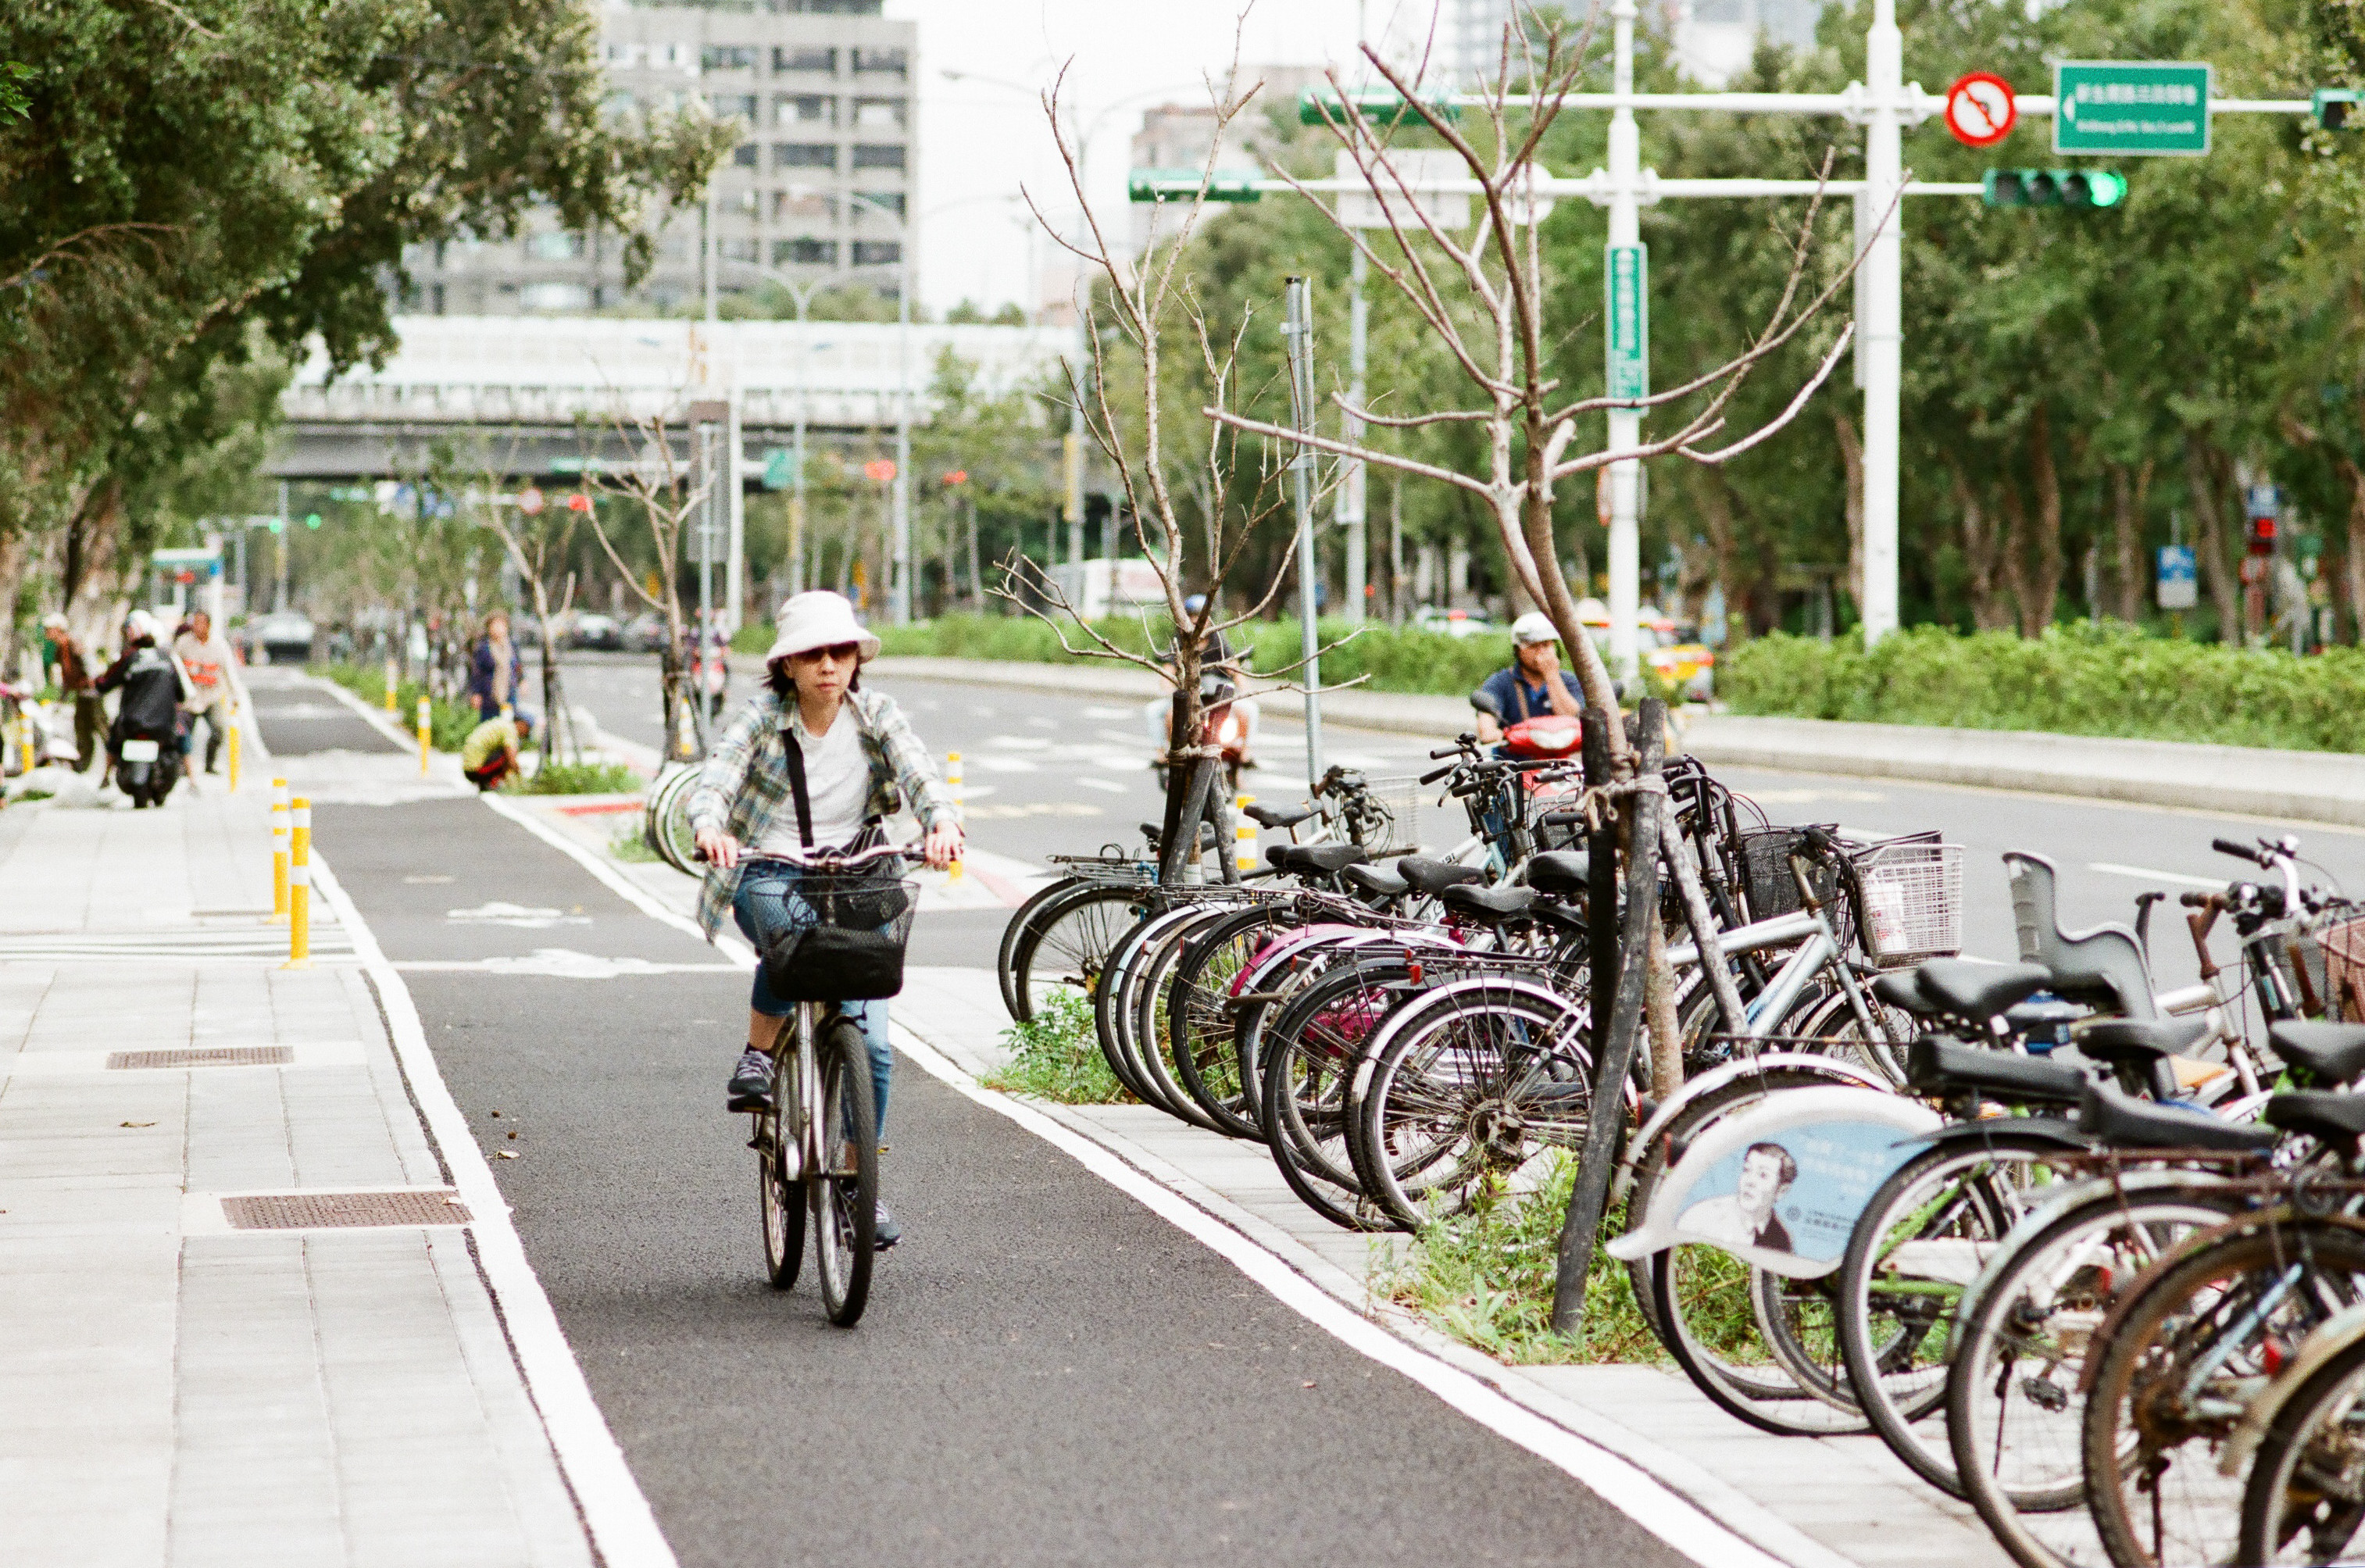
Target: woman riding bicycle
861, 764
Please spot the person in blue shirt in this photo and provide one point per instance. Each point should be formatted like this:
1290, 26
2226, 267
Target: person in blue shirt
1531, 685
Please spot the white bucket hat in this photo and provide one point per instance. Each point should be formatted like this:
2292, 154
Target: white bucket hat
820, 620
1534, 627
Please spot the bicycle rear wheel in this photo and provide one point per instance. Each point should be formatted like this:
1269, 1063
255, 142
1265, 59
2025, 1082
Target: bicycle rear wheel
1069, 942
782, 1205
1022, 920
1203, 1017
845, 1192
2305, 1499
1310, 1051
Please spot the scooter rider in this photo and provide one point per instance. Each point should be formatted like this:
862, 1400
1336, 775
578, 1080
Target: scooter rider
1531, 685
1219, 679
152, 687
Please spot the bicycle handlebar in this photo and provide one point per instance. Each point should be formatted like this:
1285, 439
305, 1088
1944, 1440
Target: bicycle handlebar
831, 860
2239, 851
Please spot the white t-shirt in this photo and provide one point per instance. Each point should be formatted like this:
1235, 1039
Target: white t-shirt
837, 780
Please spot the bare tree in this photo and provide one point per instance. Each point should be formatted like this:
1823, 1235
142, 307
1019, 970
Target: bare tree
539, 543
661, 483
1232, 483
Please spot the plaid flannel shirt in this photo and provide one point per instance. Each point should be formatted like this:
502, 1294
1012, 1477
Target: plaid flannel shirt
744, 785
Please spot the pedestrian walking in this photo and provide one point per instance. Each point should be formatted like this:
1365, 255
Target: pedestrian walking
70, 662
205, 660
496, 670
860, 764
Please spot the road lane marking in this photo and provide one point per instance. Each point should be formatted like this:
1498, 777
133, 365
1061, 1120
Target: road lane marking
1681, 1522
1109, 785
623, 1527
2145, 873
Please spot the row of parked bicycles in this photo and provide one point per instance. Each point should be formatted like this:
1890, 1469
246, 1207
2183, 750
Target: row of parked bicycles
2087, 1254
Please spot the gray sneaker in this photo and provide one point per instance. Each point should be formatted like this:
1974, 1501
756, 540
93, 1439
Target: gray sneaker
751, 1082
886, 1232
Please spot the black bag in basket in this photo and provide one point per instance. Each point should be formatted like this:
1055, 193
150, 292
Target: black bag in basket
853, 951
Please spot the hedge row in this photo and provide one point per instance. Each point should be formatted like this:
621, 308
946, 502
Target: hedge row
2084, 678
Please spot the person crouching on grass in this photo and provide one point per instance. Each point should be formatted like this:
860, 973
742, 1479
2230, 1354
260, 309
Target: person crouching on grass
489, 756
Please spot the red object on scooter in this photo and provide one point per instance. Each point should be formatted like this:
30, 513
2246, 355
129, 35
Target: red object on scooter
1551, 735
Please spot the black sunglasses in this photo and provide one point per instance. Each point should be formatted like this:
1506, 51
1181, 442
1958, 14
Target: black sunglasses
844, 652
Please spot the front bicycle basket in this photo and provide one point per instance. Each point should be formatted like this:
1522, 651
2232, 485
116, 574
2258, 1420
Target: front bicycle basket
1913, 891
2342, 948
1384, 815
1766, 866
828, 937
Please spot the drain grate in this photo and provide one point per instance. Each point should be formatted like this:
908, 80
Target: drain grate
227, 1056
326, 1211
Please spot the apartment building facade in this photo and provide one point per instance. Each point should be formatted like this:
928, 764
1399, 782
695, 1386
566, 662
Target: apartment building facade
820, 189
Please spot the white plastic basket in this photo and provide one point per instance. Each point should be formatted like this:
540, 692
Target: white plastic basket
1912, 901
1393, 827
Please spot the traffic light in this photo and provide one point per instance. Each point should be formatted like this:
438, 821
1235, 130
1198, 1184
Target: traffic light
312, 519
278, 524
2332, 106
2053, 187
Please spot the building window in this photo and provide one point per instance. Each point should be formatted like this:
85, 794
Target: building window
893, 63
804, 207
805, 108
744, 155
877, 252
554, 297
804, 155
739, 251
890, 200
727, 57
823, 60
879, 157
617, 105
747, 202
805, 253
878, 113
555, 246
727, 104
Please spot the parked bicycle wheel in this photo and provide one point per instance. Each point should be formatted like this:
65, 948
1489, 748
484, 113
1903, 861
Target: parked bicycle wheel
1311, 1048
1113, 1000
845, 1192
2304, 1501
1203, 1016
1153, 1034
2194, 1340
1022, 921
1069, 942
1919, 1243
1706, 1305
2025, 1328
1468, 1094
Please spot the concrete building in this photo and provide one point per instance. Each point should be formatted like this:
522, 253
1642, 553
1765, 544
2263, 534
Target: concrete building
1177, 135
1714, 39
819, 188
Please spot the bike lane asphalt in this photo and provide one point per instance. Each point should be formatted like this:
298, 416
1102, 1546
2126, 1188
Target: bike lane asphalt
1049, 1372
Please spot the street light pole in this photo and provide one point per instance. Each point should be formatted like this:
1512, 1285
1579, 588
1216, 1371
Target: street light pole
1299, 331
1625, 424
1350, 480
1884, 323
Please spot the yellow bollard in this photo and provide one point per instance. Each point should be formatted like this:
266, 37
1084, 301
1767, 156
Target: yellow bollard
299, 889
953, 782
1244, 835
231, 743
392, 680
426, 734
278, 850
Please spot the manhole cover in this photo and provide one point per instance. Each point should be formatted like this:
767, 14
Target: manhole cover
228, 1056
323, 1211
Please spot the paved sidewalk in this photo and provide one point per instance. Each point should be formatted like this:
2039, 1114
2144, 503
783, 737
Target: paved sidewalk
188, 1375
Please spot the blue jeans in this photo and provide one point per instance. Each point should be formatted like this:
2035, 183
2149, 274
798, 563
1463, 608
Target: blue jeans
776, 884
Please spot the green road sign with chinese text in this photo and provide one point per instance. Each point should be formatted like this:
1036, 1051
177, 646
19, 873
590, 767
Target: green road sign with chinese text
2114, 106
1628, 270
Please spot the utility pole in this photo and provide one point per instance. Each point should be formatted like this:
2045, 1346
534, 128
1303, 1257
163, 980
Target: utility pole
1625, 424
1300, 330
280, 534
1351, 510
1883, 328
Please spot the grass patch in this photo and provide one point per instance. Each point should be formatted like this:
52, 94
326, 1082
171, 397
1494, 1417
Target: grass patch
631, 844
1055, 1056
1485, 1278
2081, 678
577, 778
449, 721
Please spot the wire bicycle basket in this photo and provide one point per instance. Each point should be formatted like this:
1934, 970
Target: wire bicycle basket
832, 936
1384, 814
1910, 890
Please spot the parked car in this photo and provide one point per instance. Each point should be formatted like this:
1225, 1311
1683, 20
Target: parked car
283, 636
644, 633
1689, 666
1455, 622
593, 630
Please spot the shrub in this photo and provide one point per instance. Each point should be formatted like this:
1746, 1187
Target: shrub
1056, 1055
578, 779
2086, 678
631, 844
1485, 1277
448, 721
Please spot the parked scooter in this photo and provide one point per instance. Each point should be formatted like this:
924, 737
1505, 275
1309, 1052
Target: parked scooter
144, 740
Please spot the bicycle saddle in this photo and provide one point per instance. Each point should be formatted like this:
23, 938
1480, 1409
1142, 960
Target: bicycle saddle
2124, 1122
1977, 992
1564, 873
1567, 917
2136, 1041
2334, 1119
1903, 990
1315, 859
1935, 1067
1487, 904
1273, 817
1379, 881
1430, 878
2329, 1052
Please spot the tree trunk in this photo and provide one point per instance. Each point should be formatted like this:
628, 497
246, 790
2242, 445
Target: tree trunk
2043, 582
1852, 458
2203, 466
2128, 492
2353, 553
1982, 557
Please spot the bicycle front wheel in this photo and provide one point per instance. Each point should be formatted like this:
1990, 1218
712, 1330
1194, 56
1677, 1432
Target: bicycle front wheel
845, 1192
782, 1205
1068, 943
2304, 1500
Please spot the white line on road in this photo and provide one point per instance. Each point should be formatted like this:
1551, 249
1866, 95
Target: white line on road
1665, 1513
2145, 873
623, 1527
1106, 786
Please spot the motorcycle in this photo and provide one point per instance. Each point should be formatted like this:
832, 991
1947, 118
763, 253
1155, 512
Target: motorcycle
147, 763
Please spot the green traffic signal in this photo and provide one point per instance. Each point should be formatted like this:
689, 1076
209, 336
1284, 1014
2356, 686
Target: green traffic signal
2332, 106
312, 519
2053, 187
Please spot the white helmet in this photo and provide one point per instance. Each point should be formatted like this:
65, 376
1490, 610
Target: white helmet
139, 623
1534, 627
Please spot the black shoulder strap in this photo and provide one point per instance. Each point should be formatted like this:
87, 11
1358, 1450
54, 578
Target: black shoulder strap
1519, 689
794, 756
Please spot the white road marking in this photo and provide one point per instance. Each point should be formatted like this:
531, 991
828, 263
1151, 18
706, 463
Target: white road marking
623, 1527
524, 917
1665, 1513
1042, 723
1016, 742
563, 963
1004, 764
1102, 711
1110, 785
2146, 874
